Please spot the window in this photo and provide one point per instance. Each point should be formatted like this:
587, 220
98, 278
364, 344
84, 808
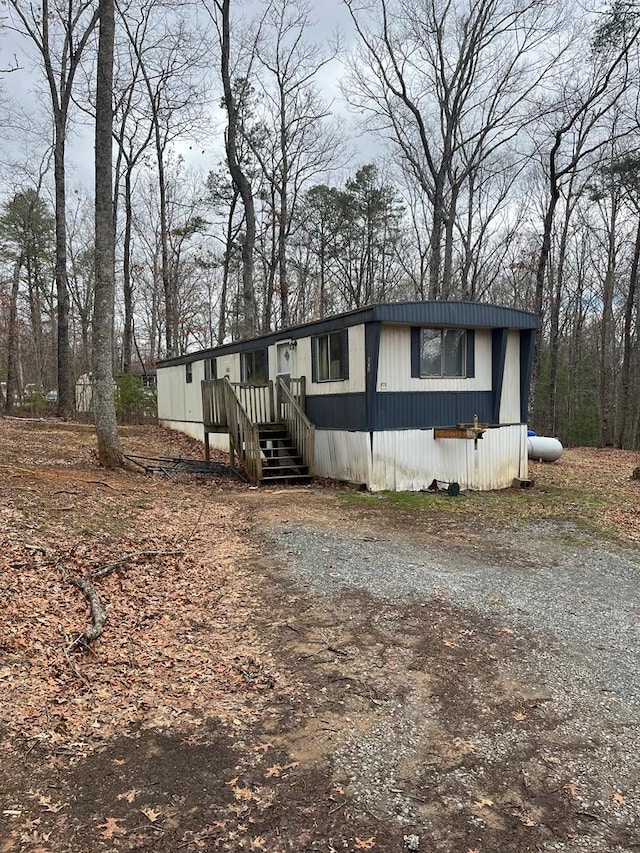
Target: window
441, 352
188, 372
330, 355
210, 369
254, 366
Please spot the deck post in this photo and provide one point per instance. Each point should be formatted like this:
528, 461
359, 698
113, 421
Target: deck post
207, 455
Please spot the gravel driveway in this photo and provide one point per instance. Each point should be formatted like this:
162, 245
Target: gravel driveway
575, 607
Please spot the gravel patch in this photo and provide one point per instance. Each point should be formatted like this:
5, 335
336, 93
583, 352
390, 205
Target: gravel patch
587, 600
578, 603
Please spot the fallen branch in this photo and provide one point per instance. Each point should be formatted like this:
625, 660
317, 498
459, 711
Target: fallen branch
65, 649
97, 612
105, 570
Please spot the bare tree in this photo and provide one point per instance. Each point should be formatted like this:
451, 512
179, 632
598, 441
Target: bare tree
109, 449
168, 58
449, 84
60, 32
292, 142
220, 12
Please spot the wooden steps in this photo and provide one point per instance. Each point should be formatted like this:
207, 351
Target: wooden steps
281, 462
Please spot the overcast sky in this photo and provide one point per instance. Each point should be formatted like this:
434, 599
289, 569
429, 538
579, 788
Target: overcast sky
22, 87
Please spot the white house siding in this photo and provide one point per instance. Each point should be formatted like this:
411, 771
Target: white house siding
178, 400
343, 455
409, 460
171, 393
394, 365
501, 456
229, 366
355, 384
510, 401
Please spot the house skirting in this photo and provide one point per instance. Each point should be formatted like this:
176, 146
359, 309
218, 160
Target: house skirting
410, 460
407, 460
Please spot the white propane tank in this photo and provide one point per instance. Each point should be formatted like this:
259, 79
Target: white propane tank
542, 448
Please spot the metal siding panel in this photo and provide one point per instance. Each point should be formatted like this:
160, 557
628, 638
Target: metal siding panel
337, 411
510, 405
414, 410
394, 372
410, 460
171, 389
371, 358
460, 314
498, 459
472, 315
499, 338
193, 393
229, 366
343, 455
527, 345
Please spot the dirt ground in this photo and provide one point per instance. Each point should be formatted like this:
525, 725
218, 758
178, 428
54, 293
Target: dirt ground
209, 713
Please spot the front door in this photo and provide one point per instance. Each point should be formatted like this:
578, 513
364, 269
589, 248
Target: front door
285, 359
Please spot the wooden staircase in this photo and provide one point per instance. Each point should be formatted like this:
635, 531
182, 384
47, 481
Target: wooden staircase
267, 427
281, 459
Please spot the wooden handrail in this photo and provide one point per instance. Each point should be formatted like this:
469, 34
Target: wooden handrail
214, 410
244, 436
239, 409
257, 401
301, 430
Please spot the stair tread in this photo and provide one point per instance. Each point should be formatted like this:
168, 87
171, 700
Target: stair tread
307, 478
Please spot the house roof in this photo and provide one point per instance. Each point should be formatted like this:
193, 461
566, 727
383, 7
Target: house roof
466, 315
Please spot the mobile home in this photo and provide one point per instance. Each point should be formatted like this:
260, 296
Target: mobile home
398, 394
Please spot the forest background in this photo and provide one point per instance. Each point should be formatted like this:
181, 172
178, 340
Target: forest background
279, 161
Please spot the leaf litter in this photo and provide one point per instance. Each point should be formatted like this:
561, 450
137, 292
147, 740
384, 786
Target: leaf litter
201, 720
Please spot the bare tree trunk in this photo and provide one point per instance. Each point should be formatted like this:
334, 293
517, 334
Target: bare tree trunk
109, 449
66, 400
12, 340
247, 326
606, 334
127, 281
625, 373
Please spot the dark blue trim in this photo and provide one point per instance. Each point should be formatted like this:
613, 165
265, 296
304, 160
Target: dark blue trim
527, 346
471, 354
450, 315
402, 410
345, 354
427, 409
499, 338
338, 411
415, 352
372, 332
314, 359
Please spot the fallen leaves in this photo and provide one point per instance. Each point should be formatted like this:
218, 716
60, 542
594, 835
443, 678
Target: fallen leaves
365, 843
151, 814
110, 827
484, 803
619, 798
48, 806
278, 769
129, 796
